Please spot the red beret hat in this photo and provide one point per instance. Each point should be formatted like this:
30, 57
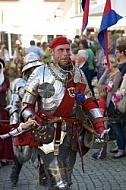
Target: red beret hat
60, 40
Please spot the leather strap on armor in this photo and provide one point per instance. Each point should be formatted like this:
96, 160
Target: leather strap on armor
63, 110
67, 102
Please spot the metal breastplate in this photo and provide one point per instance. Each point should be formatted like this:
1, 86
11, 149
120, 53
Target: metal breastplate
47, 86
52, 90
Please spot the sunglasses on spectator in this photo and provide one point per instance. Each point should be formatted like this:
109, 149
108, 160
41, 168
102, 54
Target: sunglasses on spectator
104, 64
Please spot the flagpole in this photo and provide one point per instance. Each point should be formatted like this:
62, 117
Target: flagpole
85, 7
106, 47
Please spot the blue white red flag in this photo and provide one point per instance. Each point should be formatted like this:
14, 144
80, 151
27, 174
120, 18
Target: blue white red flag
114, 10
85, 7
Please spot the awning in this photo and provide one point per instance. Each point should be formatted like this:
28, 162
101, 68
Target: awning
97, 10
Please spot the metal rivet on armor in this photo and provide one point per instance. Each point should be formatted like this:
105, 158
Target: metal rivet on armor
40, 137
33, 131
44, 137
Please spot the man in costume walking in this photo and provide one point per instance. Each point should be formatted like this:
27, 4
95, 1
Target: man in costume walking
65, 109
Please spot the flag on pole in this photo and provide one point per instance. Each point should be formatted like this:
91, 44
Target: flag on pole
85, 7
114, 10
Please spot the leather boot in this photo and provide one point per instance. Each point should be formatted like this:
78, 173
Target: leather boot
15, 171
42, 175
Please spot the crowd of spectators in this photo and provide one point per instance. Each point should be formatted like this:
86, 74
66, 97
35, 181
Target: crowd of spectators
85, 52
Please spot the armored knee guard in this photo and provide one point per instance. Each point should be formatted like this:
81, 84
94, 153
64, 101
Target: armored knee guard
23, 153
57, 173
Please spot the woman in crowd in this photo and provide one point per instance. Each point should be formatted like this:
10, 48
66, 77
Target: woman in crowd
112, 78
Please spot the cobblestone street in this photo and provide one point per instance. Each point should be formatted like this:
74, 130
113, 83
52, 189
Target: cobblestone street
107, 174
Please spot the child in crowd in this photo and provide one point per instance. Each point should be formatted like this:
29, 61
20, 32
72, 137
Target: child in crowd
100, 94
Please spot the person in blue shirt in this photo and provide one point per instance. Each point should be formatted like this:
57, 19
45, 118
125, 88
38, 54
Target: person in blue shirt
35, 49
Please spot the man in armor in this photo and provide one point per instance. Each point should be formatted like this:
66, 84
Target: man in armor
22, 150
64, 103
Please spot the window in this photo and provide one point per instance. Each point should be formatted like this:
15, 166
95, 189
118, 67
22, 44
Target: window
50, 38
14, 37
